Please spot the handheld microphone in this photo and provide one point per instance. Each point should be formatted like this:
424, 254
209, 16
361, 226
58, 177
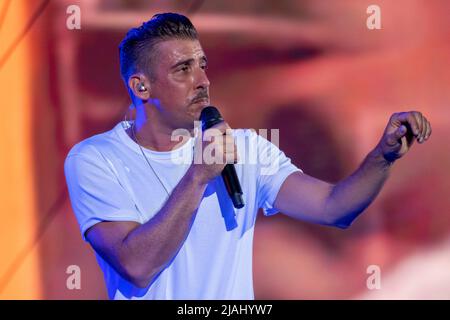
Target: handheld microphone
210, 116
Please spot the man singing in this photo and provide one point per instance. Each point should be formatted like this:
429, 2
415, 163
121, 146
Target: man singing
161, 224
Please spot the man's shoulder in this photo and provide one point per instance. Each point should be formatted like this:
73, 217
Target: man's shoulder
251, 137
245, 133
90, 147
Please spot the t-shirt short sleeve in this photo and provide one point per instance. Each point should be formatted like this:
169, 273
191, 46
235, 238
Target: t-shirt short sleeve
96, 193
274, 168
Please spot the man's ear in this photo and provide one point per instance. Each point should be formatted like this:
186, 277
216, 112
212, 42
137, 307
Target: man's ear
140, 86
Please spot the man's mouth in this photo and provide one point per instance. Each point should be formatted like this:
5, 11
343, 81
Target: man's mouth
203, 101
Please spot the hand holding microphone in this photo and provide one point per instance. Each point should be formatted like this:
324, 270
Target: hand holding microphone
217, 136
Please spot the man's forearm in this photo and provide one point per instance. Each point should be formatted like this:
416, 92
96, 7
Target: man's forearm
147, 249
352, 195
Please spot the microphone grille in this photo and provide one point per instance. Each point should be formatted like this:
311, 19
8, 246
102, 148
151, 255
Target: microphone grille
210, 116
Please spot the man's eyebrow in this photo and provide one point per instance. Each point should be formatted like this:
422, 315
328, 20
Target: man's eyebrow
188, 61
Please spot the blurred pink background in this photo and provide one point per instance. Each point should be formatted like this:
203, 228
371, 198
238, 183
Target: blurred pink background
309, 68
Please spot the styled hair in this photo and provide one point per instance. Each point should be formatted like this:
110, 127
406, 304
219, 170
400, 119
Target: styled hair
136, 49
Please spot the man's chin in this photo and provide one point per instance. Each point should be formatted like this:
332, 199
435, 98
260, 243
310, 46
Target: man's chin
198, 109
203, 103
191, 122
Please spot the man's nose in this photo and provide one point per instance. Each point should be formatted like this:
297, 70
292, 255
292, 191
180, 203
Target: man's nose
202, 81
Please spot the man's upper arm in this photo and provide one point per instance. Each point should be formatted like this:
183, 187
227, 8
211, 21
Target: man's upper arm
107, 239
303, 197
105, 211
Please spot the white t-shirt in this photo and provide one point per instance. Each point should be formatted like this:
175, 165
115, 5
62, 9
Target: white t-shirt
109, 180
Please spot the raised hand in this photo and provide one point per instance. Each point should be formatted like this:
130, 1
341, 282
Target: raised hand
401, 131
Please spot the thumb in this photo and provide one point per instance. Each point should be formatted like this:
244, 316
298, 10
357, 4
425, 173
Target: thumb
397, 135
400, 132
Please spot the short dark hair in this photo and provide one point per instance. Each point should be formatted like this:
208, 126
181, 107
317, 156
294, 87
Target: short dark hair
135, 50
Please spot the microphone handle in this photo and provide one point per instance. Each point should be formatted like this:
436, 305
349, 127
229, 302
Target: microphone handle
233, 186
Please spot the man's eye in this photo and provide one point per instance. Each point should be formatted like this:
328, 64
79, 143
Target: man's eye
184, 68
204, 67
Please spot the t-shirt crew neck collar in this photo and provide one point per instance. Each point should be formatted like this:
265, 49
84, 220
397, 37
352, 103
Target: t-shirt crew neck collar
162, 155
